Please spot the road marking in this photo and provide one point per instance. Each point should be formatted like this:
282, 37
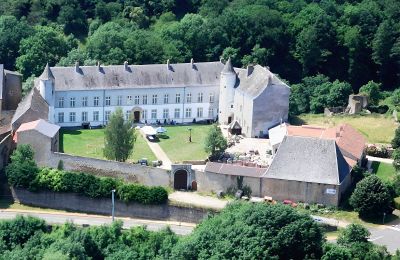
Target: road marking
374, 239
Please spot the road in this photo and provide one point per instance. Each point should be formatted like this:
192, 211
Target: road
96, 220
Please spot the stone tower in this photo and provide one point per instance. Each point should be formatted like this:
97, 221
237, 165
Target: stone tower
46, 89
226, 93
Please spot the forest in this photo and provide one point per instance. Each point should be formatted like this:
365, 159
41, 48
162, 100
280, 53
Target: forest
351, 41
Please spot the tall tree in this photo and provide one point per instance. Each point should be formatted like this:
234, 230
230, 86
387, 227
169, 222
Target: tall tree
215, 143
119, 137
23, 169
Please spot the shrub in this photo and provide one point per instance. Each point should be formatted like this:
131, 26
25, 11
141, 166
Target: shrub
142, 194
22, 170
352, 234
397, 203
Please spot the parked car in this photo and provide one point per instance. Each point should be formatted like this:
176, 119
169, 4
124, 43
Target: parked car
143, 161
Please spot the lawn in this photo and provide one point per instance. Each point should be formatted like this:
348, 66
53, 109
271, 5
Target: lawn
90, 143
385, 171
177, 145
375, 127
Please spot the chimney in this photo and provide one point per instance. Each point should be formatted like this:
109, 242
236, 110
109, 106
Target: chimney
250, 69
126, 65
192, 63
77, 66
168, 64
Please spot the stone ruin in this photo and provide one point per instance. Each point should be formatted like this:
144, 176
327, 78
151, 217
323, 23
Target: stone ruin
356, 104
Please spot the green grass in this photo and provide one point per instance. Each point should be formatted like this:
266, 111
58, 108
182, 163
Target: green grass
177, 145
375, 127
10, 204
385, 171
90, 143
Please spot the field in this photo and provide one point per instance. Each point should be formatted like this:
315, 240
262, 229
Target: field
176, 144
375, 127
90, 143
385, 171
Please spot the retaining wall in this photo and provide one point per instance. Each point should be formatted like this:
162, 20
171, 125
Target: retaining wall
75, 202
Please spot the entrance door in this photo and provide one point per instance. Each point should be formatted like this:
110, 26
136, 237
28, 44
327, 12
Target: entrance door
229, 120
136, 116
180, 180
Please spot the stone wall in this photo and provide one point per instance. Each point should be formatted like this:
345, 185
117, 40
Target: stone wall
5, 150
129, 172
75, 202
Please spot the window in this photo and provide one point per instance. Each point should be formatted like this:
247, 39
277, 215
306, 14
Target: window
84, 101
154, 114
84, 116
107, 116
108, 101
72, 116
154, 100
137, 100
119, 100
165, 113
144, 100
144, 114
96, 101
95, 115
61, 102
72, 102
178, 98
189, 98
165, 98
177, 113
128, 99
199, 112
127, 115
61, 117
210, 112
200, 98
188, 112
211, 97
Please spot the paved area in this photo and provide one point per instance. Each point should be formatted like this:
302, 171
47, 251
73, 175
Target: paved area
159, 153
198, 200
179, 228
377, 159
245, 145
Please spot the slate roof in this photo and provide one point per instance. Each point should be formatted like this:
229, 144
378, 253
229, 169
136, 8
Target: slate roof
33, 101
136, 76
308, 159
46, 74
236, 170
42, 126
228, 68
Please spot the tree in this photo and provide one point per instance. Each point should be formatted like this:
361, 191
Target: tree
371, 198
23, 169
396, 139
353, 233
253, 231
215, 143
335, 252
396, 158
372, 90
119, 137
46, 45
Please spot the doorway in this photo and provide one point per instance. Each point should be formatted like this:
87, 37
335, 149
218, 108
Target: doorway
229, 120
136, 116
180, 180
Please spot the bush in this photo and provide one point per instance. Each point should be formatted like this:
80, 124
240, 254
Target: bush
397, 203
142, 194
375, 151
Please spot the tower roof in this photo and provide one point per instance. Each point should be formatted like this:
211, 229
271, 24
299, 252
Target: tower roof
47, 74
228, 68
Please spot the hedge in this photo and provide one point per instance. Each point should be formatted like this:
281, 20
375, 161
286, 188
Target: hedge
96, 187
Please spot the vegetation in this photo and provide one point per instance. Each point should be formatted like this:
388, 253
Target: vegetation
372, 198
215, 144
119, 137
385, 171
176, 145
375, 128
90, 143
396, 139
23, 169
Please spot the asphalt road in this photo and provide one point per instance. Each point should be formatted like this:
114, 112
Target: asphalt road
96, 220
386, 236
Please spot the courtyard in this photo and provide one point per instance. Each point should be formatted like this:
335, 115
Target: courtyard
376, 128
90, 143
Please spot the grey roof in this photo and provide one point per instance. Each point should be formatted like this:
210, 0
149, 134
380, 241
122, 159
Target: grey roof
41, 126
232, 169
228, 68
136, 76
33, 101
255, 83
1, 80
46, 74
309, 159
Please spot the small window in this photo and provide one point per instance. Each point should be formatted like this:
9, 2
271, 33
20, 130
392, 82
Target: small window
178, 98
61, 117
72, 102
84, 116
107, 116
84, 101
210, 112
165, 113
144, 100
96, 101
200, 98
154, 100
165, 98
127, 115
144, 114
211, 97
95, 116
188, 113
199, 112
108, 101
189, 98
119, 100
61, 102
177, 113
154, 114
72, 116
137, 98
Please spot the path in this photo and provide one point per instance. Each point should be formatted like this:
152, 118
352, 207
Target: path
179, 228
159, 153
194, 199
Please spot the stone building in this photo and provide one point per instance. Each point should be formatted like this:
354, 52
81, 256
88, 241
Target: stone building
41, 135
182, 93
10, 89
